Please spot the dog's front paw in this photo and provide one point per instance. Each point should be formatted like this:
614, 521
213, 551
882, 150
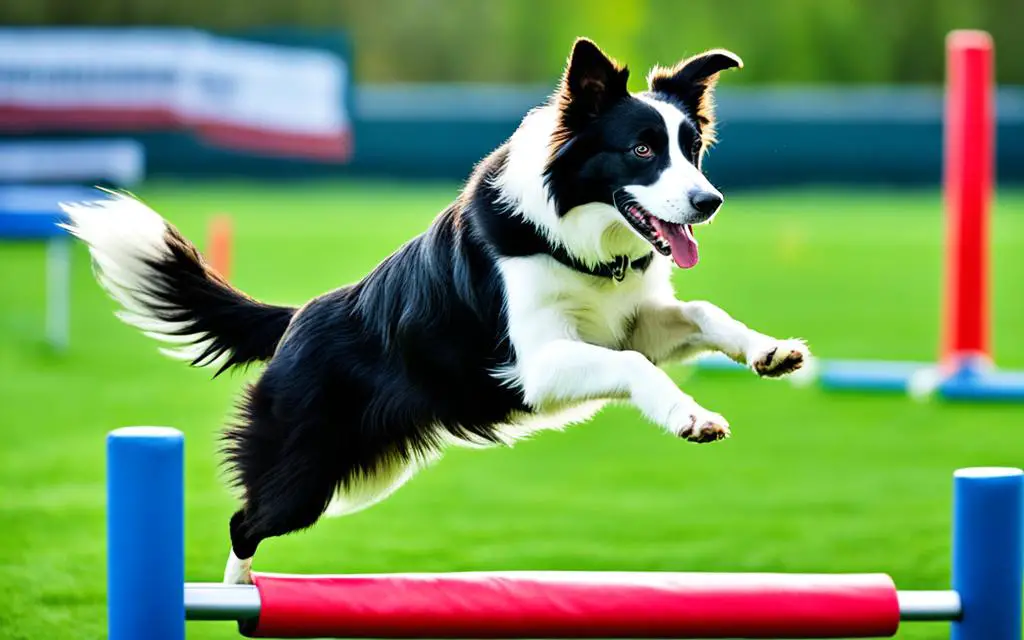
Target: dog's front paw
779, 358
699, 425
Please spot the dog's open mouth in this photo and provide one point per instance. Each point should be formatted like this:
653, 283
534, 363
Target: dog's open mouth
669, 238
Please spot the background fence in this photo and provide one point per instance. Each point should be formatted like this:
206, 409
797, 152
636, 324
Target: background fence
772, 135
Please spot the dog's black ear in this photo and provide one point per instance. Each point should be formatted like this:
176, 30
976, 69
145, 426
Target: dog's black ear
591, 83
692, 82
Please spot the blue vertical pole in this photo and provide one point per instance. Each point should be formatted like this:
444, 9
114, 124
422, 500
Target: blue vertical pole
145, 534
988, 563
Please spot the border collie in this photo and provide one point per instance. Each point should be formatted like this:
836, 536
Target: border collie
540, 293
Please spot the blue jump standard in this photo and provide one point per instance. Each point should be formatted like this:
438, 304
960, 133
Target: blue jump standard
145, 511
31, 213
988, 513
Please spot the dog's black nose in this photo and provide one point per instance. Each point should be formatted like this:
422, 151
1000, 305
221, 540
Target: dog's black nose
706, 202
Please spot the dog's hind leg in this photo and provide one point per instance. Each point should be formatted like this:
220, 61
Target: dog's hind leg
289, 496
239, 570
291, 510
293, 472
287, 469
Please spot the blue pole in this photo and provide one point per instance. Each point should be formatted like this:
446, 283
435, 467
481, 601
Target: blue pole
988, 563
145, 534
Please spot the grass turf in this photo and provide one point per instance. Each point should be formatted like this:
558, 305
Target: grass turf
809, 482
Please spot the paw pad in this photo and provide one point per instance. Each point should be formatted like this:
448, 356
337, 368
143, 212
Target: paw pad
781, 359
704, 431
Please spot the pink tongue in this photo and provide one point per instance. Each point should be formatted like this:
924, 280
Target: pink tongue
680, 238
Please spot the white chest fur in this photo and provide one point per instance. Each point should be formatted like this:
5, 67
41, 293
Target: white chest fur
547, 301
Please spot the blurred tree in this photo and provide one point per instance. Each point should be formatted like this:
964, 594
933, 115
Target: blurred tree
782, 41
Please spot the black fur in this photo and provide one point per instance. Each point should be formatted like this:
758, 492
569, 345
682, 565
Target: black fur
691, 83
601, 124
380, 371
599, 160
190, 292
592, 83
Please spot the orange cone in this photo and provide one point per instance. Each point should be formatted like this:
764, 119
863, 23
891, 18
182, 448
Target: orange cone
219, 250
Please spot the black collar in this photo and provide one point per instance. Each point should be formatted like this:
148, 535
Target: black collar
616, 269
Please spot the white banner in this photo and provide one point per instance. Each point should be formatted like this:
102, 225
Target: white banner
230, 92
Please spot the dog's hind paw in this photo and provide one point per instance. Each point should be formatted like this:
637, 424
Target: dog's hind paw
779, 358
238, 571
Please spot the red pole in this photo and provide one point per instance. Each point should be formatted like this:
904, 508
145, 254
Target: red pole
575, 605
969, 138
220, 245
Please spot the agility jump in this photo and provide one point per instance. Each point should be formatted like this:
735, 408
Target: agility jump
149, 598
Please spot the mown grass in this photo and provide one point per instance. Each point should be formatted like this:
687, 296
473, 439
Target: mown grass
809, 482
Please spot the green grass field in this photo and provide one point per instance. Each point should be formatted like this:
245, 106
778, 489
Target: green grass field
809, 481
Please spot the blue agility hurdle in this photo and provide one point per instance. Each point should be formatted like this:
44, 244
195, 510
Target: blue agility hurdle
30, 213
35, 177
148, 597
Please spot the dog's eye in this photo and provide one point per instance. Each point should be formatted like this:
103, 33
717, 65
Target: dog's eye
642, 151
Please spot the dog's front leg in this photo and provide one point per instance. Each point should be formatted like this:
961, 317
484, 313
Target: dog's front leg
678, 330
563, 372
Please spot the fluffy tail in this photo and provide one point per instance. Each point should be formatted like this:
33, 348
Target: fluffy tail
167, 290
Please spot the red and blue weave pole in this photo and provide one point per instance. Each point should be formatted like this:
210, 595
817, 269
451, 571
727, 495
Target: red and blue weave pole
969, 132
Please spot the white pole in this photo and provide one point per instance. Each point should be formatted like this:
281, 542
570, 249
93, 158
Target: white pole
58, 291
929, 605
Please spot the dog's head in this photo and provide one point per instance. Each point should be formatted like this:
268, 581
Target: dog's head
639, 153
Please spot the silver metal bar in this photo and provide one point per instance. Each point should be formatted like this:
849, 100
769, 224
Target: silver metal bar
929, 605
213, 601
